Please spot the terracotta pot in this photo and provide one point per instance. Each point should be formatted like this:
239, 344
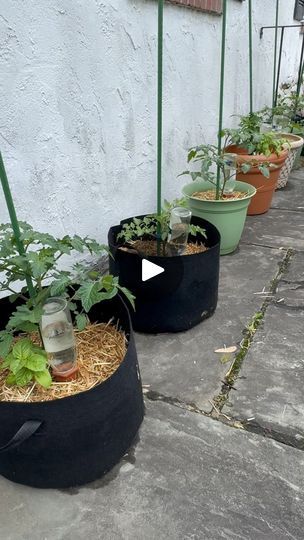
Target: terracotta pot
265, 187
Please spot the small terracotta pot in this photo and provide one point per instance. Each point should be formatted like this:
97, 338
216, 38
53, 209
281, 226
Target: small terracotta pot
265, 187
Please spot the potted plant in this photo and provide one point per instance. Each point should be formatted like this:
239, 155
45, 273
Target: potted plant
261, 155
286, 119
186, 291
215, 195
295, 145
56, 435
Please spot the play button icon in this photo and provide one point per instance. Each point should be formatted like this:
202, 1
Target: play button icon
149, 270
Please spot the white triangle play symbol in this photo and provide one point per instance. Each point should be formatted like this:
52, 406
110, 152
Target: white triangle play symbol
150, 270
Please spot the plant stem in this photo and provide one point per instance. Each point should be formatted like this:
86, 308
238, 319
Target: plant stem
14, 221
222, 80
15, 292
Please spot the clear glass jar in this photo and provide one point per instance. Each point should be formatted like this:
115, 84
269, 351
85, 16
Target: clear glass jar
58, 336
280, 123
265, 127
179, 231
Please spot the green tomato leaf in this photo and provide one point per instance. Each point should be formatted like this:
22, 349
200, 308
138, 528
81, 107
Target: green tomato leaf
28, 327
6, 341
25, 314
77, 243
94, 247
72, 306
108, 282
38, 267
245, 167
58, 287
107, 295
7, 361
81, 321
88, 293
264, 170
128, 295
93, 274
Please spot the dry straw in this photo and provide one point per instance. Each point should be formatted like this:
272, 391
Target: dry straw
149, 247
101, 349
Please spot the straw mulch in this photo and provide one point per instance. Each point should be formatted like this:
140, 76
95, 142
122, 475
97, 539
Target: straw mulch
210, 194
101, 349
149, 248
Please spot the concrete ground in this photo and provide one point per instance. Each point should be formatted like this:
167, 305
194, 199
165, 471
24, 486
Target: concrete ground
220, 453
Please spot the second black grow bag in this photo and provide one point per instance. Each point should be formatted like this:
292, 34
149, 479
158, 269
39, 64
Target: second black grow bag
74, 440
179, 298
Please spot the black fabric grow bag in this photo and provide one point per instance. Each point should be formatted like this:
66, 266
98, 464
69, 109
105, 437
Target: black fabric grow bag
179, 298
74, 440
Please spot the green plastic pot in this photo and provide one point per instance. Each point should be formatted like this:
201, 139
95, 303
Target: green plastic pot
228, 216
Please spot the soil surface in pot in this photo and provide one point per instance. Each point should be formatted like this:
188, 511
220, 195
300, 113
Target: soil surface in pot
209, 195
100, 350
149, 248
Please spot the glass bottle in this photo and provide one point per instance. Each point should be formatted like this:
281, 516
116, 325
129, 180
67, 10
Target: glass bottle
179, 231
58, 336
280, 123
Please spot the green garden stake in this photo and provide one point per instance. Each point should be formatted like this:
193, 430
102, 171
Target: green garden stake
160, 104
250, 57
222, 80
275, 55
14, 221
159, 112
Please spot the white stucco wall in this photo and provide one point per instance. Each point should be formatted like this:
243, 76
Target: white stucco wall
78, 101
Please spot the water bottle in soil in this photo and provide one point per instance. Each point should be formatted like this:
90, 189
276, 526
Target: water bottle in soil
58, 335
179, 231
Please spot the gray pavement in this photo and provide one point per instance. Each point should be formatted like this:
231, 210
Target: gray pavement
185, 365
198, 472
191, 477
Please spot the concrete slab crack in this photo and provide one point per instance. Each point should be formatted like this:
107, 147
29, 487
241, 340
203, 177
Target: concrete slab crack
292, 439
249, 333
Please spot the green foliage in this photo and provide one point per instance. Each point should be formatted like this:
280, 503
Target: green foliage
210, 163
27, 363
288, 106
41, 262
105, 288
155, 226
6, 341
81, 321
249, 137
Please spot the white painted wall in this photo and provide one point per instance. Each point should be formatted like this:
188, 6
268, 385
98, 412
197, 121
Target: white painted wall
78, 101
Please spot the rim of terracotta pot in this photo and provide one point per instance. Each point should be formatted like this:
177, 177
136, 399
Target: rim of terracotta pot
295, 141
273, 158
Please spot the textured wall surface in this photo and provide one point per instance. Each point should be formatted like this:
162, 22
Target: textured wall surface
78, 101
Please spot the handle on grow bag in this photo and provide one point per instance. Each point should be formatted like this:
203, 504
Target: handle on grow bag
25, 432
